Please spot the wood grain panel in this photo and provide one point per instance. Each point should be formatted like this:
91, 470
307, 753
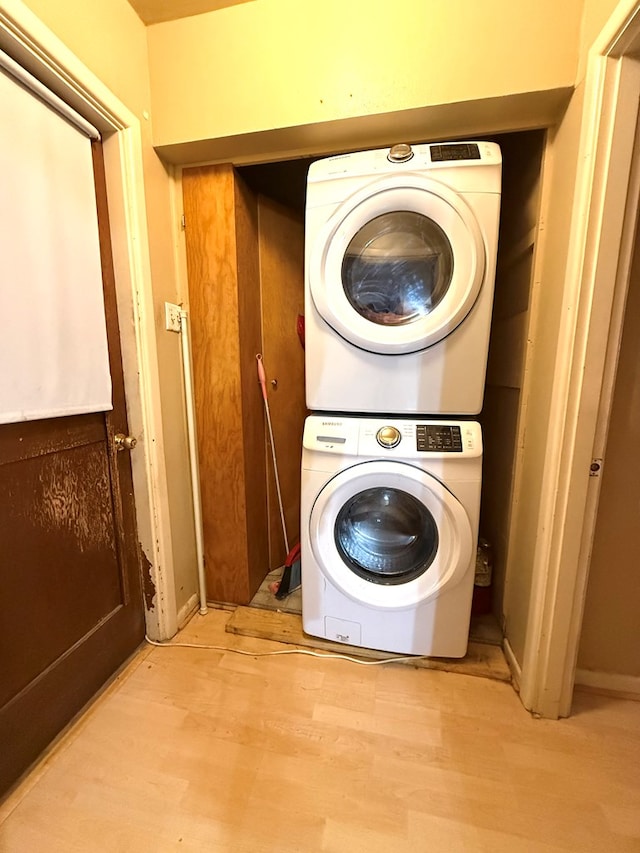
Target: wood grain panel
180, 753
209, 206
61, 544
282, 285
27, 439
224, 296
482, 659
250, 344
70, 566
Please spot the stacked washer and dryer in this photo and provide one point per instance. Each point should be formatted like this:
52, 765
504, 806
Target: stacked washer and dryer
400, 256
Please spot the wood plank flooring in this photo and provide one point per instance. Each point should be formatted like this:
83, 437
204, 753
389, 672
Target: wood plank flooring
482, 659
202, 750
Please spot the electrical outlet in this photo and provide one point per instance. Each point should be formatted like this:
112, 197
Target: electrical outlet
171, 317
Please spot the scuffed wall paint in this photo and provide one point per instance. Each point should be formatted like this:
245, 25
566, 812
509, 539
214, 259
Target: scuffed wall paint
148, 586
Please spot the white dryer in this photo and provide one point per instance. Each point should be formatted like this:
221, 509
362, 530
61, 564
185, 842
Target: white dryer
400, 256
389, 532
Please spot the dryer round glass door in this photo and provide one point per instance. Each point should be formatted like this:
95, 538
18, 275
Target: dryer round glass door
398, 266
389, 535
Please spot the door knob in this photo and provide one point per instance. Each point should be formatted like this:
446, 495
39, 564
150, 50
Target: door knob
124, 442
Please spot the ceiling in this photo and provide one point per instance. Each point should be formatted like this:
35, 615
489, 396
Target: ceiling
156, 11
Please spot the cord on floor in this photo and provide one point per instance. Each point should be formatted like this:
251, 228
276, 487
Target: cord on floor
308, 652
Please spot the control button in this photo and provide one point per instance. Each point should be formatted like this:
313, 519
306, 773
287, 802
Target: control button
388, 437
400, 153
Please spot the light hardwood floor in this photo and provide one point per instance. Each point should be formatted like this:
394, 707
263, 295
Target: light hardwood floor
199, 750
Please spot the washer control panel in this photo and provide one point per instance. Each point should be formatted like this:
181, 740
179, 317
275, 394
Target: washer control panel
437, 438
392, 437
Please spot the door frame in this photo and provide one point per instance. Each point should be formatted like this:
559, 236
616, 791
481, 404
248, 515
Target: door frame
34, 46
604, 214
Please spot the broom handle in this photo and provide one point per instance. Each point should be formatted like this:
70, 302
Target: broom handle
262, 378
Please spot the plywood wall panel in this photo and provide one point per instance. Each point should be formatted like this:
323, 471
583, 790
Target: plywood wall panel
504, 368
251, 406
282, 284
522, 157
499, 440
224, 335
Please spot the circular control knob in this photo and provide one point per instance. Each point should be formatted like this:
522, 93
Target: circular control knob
388, 436
400, 153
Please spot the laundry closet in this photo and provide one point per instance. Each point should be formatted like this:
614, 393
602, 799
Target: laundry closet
245, 254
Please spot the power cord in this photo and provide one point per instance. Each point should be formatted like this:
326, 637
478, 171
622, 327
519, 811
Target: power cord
287, 652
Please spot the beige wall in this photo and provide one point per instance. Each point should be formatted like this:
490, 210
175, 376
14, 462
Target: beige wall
595, 16
609, 641
278, 64
271, 66
270, 79
610, 635
556, 222
111, 41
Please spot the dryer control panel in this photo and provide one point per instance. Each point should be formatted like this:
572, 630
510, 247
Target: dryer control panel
480, 159
455, 151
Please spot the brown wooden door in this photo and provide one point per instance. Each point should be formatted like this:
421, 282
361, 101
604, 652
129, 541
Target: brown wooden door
70, 590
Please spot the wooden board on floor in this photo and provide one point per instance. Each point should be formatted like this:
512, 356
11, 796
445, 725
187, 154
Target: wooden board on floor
482, 659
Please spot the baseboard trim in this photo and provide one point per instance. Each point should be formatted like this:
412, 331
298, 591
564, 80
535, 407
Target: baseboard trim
187, 610
514, 666
611, 682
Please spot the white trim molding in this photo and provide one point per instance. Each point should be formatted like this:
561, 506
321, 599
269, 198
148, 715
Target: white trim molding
24, 37
592, 278
626, 686
188, 609
512, 661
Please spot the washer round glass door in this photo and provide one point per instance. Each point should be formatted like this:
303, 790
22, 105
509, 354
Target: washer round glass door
398, 267
389, 535
385, 535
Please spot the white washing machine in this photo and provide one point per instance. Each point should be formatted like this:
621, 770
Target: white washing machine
389, 532
400, 256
